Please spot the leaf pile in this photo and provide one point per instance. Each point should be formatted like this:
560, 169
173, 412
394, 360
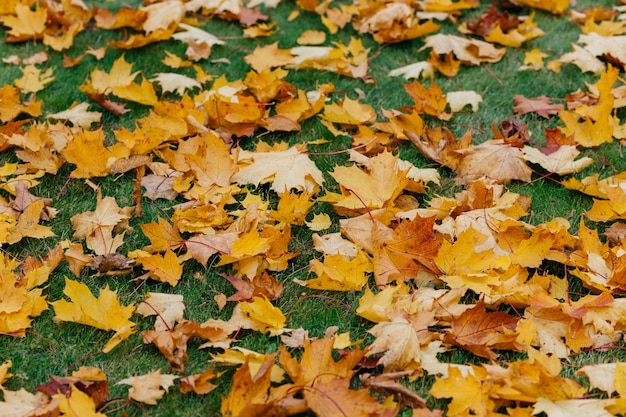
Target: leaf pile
433, 273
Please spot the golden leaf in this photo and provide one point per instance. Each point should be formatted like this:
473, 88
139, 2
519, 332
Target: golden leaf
103, 312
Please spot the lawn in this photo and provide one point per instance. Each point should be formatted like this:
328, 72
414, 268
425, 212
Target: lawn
325, 238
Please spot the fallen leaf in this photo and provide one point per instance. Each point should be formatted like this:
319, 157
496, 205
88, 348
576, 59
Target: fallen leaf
103, 312
148, 388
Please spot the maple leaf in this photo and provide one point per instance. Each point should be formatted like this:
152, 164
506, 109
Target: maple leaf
264, 286
398, 340
97, 227
554, 6
77, 115
103, 312
249, 394
164, 268
408, 253
196, 35
21, 300
479, 332
28, 224
22, 403
200, 383
168, 308
33, 79
563, 408
324, 383
101, 82
163, 15
375, 188
172, 343
286, 170
148, 388
540, 105
12, 106
264, 316
86, 150
468, 51
421, 69
26, 24
393, 22
494, 159
467, 392
338, 273
173, 82
562, 161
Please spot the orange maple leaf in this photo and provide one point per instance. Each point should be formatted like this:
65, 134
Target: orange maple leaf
479, 331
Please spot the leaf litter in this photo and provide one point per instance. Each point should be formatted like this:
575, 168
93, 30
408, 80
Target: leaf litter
417, 265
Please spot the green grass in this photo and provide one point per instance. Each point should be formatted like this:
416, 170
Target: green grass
58, 349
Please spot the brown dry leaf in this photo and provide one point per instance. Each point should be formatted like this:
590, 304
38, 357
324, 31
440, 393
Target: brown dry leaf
148, 388
264, 286
409, 252
479, 331
199, 383
540, 105
173, 343
493, 159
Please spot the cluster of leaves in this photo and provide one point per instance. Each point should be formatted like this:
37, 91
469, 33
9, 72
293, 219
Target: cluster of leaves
464, 271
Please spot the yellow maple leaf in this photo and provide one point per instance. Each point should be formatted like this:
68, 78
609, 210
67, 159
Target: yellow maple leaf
12, 106
237, 356
340, 274
103, 312
20, 300
65, 39
533, 59
77, 403
102, 82
265, 316
349, 112
554, 6
375, 188
167, 268
143, 93
292, 208
595, 124
467, 392
28, 224
86, 150
399, 342
26, 24
97, 227
526, 31
33, 79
